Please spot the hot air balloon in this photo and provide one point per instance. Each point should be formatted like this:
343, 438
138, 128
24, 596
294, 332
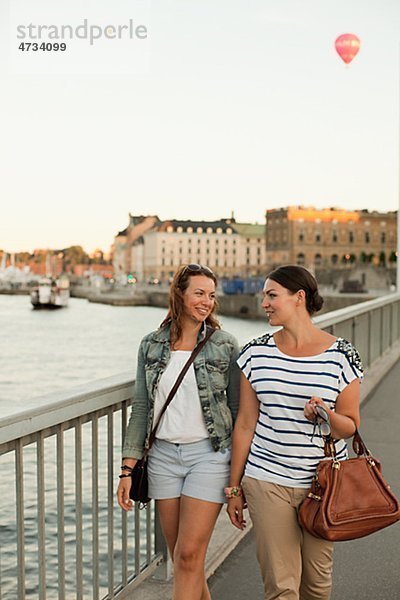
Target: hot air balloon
347, 46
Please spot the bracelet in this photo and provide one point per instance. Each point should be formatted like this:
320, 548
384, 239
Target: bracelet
233, 492
124, 475
126, 468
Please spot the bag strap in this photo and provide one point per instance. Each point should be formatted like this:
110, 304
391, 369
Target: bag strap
177, 383
359, 447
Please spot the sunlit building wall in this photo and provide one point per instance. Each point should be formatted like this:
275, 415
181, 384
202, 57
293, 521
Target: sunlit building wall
330, 238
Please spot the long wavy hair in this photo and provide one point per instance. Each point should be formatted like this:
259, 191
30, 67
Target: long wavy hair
176, 309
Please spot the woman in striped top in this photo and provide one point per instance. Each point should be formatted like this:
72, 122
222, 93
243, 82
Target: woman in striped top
284, 376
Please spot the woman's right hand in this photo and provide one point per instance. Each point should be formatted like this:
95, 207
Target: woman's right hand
235, 508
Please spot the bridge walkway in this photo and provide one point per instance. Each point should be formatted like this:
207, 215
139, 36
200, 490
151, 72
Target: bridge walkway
365, 569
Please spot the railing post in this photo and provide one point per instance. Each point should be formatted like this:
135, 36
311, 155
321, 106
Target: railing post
60, 514
353, 331
164, 571
124, 518
369, 340
110, 501
19, 489
78, 511
41, 508
391, 308
398, 321
95, 508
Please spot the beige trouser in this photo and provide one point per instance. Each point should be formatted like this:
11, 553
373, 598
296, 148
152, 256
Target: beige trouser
294, 564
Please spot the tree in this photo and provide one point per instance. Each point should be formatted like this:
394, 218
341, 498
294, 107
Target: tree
22, 258
75, 255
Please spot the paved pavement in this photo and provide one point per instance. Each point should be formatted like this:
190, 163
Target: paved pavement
365, 569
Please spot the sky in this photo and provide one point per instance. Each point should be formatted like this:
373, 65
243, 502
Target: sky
221, 106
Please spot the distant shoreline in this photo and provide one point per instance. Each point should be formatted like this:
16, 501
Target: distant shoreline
16, 292
242, 306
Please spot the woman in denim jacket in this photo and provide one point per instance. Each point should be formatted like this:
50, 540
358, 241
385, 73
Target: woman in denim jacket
189, 461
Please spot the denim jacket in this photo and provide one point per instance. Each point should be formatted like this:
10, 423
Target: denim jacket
217, 376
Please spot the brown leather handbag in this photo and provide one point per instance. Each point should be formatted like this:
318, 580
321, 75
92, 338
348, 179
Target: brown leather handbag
348, 499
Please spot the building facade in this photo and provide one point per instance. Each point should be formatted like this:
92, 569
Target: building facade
326, 238
123, 253
152, 250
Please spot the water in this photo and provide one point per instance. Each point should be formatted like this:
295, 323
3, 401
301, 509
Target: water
46, 351
42, 352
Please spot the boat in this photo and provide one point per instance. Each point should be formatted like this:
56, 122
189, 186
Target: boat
51, 293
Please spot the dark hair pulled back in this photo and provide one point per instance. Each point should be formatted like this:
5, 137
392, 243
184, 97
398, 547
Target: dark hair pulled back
295, 278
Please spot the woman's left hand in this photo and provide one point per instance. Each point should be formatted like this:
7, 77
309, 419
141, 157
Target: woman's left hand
123, 490
345, 417
309, 408
235, 511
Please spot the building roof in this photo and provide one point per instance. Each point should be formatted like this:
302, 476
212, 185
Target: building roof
249, 229
223, 224
136, 219
123, 232
332, 212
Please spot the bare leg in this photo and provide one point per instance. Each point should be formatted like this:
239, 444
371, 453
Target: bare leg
196, 523
168, 511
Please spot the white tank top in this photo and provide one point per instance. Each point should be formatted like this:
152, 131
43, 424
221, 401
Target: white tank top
183, 420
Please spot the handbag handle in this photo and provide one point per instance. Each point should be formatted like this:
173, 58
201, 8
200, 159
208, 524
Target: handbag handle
359, 447
176, 385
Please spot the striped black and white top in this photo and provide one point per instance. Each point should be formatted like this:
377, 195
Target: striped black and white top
283, 450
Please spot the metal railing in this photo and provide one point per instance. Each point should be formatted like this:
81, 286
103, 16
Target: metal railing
62, 535
372, 326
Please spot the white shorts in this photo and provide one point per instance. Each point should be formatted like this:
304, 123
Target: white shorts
194, 470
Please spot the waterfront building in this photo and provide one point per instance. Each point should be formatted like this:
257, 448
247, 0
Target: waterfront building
151, 249
106, 271
330, 238
124, 255
72, 260
252, 248
44, 262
